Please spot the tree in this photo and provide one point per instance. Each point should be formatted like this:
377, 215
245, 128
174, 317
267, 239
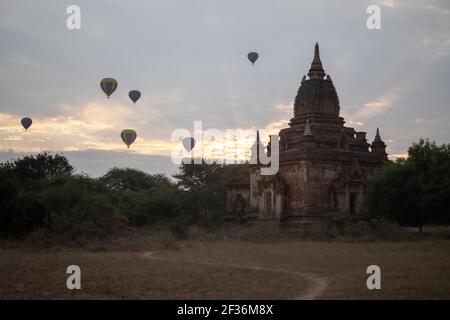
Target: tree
21, 181
128, 179
21, 212
413, 191
32, 168
155, 205
204, 187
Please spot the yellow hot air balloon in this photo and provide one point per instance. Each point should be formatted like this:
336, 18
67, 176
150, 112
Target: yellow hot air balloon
108, 85
128, 136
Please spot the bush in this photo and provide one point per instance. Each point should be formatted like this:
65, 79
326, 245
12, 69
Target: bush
336, 218
23, 214
155, 205
128, 179
179, 227
335, 223
79, 207
21, 211
43, 199
214, 219
386, 230
360, 229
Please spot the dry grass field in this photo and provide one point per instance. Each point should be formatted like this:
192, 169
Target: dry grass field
158, 267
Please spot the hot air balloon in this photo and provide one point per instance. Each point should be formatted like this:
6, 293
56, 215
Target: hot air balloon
108, 85
128, 136
188, 143
134, 95
26, 122
253, 56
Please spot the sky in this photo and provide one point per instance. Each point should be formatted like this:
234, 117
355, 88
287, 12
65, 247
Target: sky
189, 60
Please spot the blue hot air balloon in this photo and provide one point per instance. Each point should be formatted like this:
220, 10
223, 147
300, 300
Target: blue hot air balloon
188, 143
134, 95
26, 122
253, 56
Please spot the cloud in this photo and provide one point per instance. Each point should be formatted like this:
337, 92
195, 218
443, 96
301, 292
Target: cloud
97, 125
354, 123
376, 107
275, 126
94, 125
388, 3
398, 156
285, 108
285, 114
22, 60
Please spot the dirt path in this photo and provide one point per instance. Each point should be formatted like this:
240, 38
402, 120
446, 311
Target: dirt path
316, 284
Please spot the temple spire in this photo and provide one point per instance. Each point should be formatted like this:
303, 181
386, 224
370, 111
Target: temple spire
254, 158
378, 146
316, 54
316, 71
377, 136
257, 142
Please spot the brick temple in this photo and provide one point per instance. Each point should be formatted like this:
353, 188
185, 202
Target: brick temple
323, 164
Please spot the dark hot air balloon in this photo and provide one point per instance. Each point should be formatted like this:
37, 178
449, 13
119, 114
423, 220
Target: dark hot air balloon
134, 95
108, 85
128, 136
188, 143
26, 122
253, 56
